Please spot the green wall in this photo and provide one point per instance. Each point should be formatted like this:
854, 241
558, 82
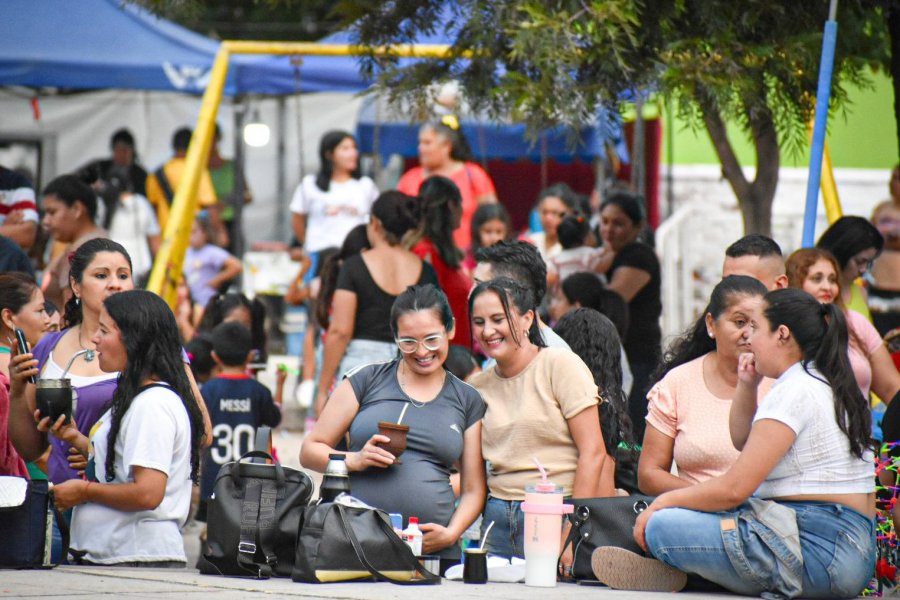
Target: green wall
863, 136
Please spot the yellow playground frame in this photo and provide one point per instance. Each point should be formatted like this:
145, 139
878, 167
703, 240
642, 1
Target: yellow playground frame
169, 262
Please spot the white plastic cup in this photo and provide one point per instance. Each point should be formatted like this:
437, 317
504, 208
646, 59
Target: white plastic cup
543, 508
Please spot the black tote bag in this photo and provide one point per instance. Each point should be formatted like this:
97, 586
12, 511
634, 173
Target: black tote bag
346, 543
26, 524
600, 522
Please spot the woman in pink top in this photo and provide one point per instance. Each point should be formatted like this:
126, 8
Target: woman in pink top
815, 271
689, 406
444, 151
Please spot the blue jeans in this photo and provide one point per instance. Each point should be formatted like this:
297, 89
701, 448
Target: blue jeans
507, 538
837, 543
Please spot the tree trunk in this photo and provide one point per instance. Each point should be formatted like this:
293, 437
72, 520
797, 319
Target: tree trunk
893, 20
754, 197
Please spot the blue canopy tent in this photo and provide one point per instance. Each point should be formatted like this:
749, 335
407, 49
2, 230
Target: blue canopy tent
488, 139
96, 44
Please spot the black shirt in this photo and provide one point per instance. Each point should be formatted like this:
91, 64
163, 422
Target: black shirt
644, 337
373, 304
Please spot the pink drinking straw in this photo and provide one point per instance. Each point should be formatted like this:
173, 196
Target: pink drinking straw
541, 469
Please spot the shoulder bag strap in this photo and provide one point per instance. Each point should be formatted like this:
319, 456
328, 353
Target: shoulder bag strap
163, 182
63, 526
428, 578
262, 443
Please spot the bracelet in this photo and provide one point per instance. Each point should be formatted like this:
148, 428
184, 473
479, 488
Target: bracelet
86, 488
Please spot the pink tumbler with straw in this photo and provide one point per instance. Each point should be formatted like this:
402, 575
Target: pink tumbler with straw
543, 508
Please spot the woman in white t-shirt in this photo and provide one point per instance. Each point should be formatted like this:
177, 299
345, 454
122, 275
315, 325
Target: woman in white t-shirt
808, 529
326, 206
143, 453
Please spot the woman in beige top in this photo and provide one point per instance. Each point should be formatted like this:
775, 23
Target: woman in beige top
541, 404
688, 407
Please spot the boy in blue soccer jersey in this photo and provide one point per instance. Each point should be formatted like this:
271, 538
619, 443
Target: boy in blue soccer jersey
238, 404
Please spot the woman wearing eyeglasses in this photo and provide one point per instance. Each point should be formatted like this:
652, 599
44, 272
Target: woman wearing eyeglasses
855, 243
443, 413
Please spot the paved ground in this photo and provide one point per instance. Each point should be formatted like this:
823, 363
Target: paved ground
187, 584
162, 584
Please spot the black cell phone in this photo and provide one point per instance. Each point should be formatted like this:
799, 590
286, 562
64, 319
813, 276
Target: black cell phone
24, 349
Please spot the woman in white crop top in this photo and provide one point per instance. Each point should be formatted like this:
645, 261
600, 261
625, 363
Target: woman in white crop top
794, 515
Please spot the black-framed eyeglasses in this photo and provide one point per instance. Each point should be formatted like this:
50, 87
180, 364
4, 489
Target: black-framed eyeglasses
432, 343
863, 262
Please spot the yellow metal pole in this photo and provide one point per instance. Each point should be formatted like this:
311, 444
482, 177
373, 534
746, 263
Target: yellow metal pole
829, 189
167, 267
313, 49
169, 262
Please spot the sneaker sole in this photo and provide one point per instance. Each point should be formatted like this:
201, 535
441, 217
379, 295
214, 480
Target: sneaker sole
622, 569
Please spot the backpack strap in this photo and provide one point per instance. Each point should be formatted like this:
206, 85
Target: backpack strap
164, 185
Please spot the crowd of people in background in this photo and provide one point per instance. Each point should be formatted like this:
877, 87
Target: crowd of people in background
505, 346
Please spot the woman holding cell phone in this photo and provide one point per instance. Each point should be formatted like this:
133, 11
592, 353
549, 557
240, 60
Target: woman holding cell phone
22, 316
98, 269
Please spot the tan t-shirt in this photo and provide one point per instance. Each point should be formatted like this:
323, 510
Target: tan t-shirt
526, 417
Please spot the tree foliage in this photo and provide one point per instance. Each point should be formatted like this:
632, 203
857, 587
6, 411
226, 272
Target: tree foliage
553, 62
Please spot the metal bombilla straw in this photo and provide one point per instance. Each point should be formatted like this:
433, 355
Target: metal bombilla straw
72, 361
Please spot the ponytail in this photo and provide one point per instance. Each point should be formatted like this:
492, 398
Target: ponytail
820, 331
850, 407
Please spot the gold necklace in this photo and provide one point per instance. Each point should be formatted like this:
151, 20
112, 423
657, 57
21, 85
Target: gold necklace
401, 379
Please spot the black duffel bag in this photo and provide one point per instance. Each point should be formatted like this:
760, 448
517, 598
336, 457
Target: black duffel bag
347, 543
600, 522
253, 518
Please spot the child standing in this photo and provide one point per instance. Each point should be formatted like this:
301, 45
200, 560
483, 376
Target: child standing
207, 267
237, 403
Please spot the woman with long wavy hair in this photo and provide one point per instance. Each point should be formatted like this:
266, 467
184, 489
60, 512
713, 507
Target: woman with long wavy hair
441, 205
143, 453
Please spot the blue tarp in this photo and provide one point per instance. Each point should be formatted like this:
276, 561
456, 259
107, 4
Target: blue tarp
95, 44
488, 139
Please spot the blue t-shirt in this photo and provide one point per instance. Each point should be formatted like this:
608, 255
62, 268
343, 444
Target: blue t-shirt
420, 485
237, 405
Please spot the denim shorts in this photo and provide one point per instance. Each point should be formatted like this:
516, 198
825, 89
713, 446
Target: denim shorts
507, 538
363, 352
837, 545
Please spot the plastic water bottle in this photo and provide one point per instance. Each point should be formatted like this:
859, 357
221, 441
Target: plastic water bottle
397, 524
337, 478
412, 535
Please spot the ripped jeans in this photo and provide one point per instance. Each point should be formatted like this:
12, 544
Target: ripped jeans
837, 544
